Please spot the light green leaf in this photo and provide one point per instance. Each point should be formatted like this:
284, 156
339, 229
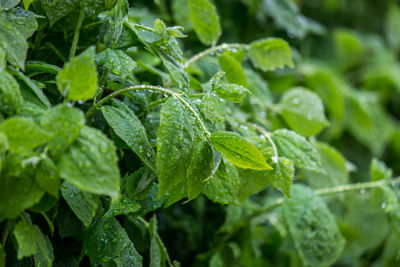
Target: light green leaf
47, 177
392, 29
174, 145
233, 69
31, 241
78, 78
239, 151
312, 227
7, 4
23, 134
91, 164
3, 60
296, 148
223, 187
379, 170
65, 124
212, 108
125, 205
270, 54
108, 241
84, 205
181, 14
333, 163
129, 128
303, 111
3, 148
55, 10
10, 94
205, 20
117, 62
27, 3
283, 175
12, 42
200, 168
231, 92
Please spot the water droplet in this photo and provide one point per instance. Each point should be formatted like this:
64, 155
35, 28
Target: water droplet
362, 191
383, 205
295, 101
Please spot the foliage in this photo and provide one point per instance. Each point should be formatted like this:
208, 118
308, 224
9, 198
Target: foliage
148, 133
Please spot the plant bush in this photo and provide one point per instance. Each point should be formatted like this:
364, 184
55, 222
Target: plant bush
128, 141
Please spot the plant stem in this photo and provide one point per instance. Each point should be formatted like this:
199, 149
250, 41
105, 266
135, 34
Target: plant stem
90, 112
213, 49
77, 32
268, 136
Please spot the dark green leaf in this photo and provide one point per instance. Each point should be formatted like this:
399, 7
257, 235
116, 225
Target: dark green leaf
91, 164
55, 10
312, 227
205, 20
296, 148
303, 111
78, 78
129, 128
117, 62
24, 21
3, 148
83, 204
174, 145
107, 241
270, 54
239, 151
23, 134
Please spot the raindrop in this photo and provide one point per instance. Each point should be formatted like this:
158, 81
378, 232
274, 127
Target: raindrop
295, 101
362, 191
383, 205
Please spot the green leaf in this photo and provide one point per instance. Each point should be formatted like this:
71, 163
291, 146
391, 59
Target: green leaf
31, 241
7, 4
379, 170
55, 10
27, 3
158, 252
10, 94
91, 164
174, 145
12, 42
223, 187
392, 31
125, 205
333, 163
107, 241
312, 227
78, 78
270, 54
47, 177
84, 205
296, 148
18, 188
3, 60
23, 134
233, 69
239, 151
303, 111
2, 257
129, 128
181, 14
117, 62
252, 182
205, 20
65, 124
212, 108
3, 148
200, 168
283, 175
231, 92
24, 21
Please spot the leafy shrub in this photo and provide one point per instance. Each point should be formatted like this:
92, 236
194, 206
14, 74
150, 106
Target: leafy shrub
126, 142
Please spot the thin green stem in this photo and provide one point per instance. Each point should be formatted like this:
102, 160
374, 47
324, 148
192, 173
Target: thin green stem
268, 136
77, 32
90, 112
214, 49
